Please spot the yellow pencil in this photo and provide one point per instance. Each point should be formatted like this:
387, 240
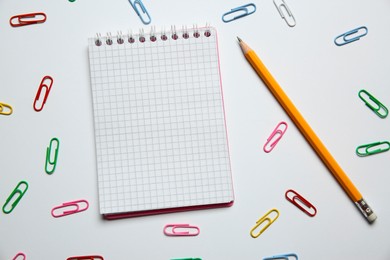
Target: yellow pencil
307, 132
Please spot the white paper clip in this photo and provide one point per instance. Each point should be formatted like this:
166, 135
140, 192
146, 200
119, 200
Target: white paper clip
282, 9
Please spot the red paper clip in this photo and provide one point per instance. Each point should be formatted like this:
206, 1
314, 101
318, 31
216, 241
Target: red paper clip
298, 201
41, 86
86, 257
274, 138
170, 230
75, 204
19, 256
27, 19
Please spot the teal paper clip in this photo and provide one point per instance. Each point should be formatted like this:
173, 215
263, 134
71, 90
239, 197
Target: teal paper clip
283, 257
373, 104
345, 38
12, 197
141, 11
49, 161
373, 148
244, 10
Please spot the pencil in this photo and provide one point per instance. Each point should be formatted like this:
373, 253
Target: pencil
307, 132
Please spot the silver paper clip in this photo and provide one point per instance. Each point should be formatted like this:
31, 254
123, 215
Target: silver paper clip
141, 11
345, 38
281, 6
244, 10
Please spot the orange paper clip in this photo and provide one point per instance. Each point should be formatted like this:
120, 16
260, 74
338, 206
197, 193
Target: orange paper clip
301, 203
46, 83
274, 138
19, 256
86, 257
170, 230
27, 19
72, 204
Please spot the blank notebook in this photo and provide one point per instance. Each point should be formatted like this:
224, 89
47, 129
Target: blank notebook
161, 142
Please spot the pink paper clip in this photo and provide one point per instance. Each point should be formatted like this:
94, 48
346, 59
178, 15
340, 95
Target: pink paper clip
170, 230
274, 138
86, 257
298, 201
20, 256
72, 204
46, 86
27, 19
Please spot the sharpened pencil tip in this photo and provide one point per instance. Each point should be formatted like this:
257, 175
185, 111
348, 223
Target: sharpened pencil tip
239, 39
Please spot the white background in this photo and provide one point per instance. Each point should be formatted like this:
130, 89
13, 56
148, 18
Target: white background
322, 80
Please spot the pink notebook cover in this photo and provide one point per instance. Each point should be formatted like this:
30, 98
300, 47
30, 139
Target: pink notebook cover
160, 131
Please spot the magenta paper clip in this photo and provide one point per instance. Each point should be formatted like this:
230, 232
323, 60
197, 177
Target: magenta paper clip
74, 205
170, 230
274, 138
86, 257
20, 256
301, 203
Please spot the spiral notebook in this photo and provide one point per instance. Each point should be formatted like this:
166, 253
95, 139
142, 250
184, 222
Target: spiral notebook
161, 141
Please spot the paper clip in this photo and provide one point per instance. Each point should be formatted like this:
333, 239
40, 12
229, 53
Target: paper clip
49, 161
186, 259
27, 19
244, 12
298, 201
283, 256
344, 38
86, 257
274, 138
262, 220
140, 9
41, 86
15, 199
170, 230
18, 255
281, 5
7, 111
72, 204
373, 148
377, 107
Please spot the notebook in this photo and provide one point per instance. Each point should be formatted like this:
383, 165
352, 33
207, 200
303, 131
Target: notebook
160, 134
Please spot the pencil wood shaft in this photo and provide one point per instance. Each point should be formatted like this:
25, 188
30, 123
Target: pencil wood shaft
305, 129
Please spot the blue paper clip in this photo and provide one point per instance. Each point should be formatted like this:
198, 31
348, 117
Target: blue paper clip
373, 148
284, 257
378, 108
15, 196
239, 9
344, 38
140, 9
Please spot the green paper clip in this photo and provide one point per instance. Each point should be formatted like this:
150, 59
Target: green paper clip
17, 199
53, 162
373, 148
374, 104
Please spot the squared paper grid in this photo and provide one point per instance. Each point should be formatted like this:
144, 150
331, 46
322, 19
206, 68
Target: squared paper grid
159, 124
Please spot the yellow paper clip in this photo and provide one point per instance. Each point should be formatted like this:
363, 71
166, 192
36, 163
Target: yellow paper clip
264, 218
7, 111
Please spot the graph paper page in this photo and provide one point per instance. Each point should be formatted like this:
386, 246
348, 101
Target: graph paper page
159, 122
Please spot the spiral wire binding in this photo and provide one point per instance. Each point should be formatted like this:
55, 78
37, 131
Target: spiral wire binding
152, 36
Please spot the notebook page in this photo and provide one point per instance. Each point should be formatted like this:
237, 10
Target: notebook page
159, 123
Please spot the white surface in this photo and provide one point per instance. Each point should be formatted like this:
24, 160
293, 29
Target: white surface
321, 79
